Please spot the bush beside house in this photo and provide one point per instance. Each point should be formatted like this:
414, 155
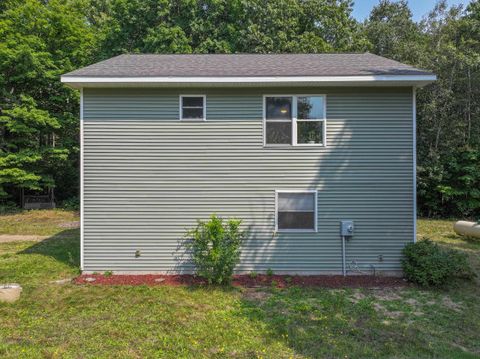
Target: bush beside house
429, 265
215, 248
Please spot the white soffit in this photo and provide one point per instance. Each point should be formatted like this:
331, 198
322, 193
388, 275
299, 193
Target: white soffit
373, 80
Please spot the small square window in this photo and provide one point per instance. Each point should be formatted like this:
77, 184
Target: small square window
296, 211
192, 107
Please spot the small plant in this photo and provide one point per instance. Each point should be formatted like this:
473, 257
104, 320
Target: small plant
274, 284
269, 272
312, 136
253, 275
288, 280
429, 265
71, 260
108, 273
215, 248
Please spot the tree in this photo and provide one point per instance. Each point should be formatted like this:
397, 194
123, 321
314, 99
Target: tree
392, 31
298, 26
38, 115
227, 26
449, 116
446, 42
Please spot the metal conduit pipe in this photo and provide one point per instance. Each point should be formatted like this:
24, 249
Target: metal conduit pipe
346, 231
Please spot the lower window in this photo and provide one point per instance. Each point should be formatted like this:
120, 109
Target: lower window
296, 211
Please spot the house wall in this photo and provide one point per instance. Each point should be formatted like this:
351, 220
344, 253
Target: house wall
148, 177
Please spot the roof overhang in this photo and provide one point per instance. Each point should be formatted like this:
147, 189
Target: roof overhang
318, 81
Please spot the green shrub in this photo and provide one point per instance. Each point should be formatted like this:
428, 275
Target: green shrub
215, 248
427, 264
71, 204
9, 207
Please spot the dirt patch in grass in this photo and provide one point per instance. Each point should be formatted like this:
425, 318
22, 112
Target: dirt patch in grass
279, 281
392, 314
74, 224
4, 238
449, 303
386, 295
256, 295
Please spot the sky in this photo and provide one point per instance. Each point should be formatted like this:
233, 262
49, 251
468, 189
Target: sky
362, 8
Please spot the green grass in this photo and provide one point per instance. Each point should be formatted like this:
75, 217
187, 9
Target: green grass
39, 222
441, 231
70, 321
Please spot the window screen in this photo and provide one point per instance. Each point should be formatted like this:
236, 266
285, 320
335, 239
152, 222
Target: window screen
192, 107
278, 117
296, 211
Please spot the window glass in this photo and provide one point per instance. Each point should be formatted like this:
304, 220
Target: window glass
296, 220
192, 113
279, 108
295, 120
310, 107
192, 107
296, 211
278, 132
193, 102
296, 202
310, 132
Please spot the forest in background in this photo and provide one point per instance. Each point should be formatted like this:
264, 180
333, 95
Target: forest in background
43, 39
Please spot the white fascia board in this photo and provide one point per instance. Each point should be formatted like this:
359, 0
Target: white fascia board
77, 81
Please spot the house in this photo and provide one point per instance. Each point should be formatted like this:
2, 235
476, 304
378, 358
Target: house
292, 144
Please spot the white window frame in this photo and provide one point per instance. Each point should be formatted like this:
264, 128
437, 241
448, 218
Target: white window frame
180, 105
315, 193
294, 121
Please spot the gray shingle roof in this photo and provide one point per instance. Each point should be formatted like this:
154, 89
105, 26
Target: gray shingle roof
246, 65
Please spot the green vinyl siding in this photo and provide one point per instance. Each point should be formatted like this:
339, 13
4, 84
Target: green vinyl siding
148, 177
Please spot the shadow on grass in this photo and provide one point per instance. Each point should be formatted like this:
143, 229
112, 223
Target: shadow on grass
63, 247
319, 323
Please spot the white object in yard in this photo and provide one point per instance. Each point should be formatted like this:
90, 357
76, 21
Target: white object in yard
468, 229
10, 292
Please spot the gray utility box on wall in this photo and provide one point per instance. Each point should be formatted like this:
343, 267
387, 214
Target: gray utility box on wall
346, 228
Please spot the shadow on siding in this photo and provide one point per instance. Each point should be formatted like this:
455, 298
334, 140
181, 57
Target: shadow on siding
298, 253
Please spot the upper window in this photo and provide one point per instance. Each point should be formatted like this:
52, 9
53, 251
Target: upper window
295, 120
278, 120
296, 211
192, 107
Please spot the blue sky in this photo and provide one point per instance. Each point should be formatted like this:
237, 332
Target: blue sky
362, 8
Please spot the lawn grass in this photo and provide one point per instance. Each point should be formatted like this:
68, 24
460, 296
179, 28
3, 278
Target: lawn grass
72, 321
37, 222
441, 231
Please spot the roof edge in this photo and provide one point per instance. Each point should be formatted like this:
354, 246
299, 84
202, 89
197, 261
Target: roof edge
92, 81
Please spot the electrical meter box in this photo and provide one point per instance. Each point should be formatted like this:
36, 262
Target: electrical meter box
346, 228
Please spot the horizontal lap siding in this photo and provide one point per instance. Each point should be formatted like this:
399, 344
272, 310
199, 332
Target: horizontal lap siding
148, 177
